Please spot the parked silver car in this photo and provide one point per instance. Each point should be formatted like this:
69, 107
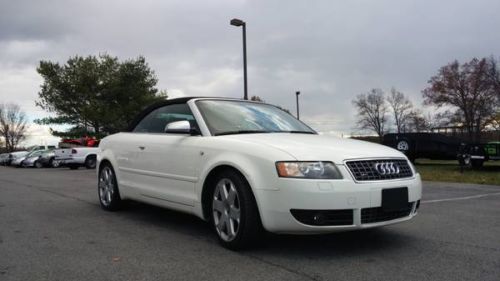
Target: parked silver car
17, 157
33, 159
4, 159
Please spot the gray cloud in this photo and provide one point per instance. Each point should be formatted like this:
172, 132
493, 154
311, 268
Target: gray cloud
329, 50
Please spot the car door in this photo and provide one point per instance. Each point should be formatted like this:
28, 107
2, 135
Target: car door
166, 165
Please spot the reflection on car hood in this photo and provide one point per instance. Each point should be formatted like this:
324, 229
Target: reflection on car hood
19, 154
19, 159
320, 147
31, 159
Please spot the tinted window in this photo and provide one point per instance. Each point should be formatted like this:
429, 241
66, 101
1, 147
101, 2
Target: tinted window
157, 120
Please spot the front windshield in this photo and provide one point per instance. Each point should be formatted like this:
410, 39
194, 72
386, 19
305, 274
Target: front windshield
224, 117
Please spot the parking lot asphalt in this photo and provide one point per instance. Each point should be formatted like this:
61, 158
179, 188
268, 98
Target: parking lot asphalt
52, 228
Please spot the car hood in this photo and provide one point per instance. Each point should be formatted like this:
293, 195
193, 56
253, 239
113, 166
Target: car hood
19, 154
320, 147
18, 159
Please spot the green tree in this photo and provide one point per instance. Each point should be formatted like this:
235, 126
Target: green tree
97, 95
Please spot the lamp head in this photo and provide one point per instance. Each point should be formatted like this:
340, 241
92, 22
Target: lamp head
237, 22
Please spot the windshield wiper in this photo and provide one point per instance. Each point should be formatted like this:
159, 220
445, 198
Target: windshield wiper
299, 132
242, 132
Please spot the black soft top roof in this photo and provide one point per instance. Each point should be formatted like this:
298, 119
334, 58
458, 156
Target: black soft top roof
162, 103
154, 106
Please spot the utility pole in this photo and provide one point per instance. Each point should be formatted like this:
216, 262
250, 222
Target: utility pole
297, 99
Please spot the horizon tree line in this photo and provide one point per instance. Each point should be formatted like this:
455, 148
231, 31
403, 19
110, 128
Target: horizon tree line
468, 93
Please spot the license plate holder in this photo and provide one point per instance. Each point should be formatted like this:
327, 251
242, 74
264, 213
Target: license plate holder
394, 199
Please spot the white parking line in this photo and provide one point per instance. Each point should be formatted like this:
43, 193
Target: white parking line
461, 198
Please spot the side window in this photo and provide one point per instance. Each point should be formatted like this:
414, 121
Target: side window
157, 120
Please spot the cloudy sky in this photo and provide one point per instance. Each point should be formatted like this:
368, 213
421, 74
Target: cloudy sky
329, 50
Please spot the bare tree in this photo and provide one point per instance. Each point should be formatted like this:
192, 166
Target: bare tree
372, 111
401, 109
13, 125
418, 122
472, 88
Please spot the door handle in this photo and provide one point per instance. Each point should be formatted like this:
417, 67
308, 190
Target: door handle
142, 147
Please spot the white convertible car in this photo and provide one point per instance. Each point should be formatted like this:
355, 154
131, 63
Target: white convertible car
249, 166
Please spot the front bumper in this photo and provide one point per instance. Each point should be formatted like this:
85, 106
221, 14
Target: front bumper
301, 194
16, 162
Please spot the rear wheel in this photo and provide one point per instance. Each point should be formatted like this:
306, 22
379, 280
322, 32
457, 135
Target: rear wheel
38, 164
90, 162
107, 189
234, 217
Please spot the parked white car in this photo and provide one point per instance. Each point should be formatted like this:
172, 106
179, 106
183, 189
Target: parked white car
244, 166
77, 157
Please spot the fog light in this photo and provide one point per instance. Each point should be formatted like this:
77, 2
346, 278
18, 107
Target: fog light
318, 218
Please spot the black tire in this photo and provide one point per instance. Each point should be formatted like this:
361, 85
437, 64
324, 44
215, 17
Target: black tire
249, 228
38, 164
90, 162
113, 202
73, 166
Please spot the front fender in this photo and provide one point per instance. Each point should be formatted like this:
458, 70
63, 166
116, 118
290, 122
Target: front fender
259, 170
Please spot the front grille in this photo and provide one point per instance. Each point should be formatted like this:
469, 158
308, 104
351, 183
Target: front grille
372, 215
323, 217
365, 170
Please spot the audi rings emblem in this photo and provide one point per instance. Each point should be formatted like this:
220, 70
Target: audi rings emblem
386, 168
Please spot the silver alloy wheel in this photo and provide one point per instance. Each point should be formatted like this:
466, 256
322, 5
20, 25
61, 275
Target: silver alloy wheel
403, 146
226, 210
106, 186
55, 163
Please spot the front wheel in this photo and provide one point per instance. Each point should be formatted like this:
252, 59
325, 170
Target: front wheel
107, 188
54, 163
234, 215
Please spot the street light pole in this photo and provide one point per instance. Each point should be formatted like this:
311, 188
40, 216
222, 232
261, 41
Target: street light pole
297, 99
238, 22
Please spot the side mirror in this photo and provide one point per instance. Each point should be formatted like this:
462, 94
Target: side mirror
181, 127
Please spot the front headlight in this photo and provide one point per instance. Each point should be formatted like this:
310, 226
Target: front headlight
308, 170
